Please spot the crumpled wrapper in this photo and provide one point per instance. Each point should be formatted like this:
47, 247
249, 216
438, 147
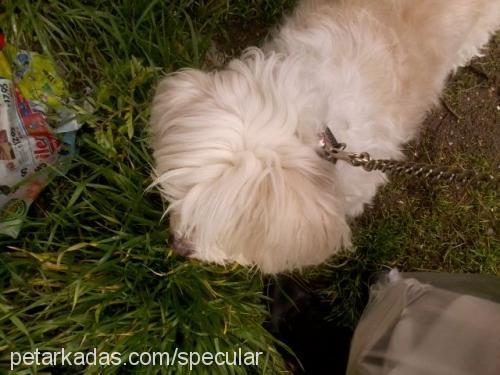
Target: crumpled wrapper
37, 131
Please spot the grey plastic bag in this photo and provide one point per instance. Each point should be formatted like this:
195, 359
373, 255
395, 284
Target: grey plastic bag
429, 323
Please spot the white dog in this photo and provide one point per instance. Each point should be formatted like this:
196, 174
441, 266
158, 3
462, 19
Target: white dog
237, 150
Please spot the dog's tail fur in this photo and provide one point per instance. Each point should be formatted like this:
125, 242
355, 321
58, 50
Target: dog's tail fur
435, 38
454, 30
429, 39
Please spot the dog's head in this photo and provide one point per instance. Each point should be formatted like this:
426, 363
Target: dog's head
236, 158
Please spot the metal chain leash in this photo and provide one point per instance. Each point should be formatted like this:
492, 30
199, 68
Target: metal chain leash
335, 151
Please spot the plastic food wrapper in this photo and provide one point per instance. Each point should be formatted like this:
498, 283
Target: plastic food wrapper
429, 323
37, 131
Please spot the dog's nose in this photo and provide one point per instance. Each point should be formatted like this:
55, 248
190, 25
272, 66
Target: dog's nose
182, 246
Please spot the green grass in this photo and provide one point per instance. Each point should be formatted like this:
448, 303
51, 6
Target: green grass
425, 231
91, 267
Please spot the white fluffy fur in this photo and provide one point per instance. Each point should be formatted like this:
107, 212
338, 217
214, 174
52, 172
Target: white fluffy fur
236, 149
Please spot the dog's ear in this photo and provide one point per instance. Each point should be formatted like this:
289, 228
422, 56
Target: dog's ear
184, 82
174, 93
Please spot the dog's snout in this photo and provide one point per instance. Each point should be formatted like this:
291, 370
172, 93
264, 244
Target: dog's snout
182, 246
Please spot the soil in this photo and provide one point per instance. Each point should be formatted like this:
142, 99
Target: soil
467, 124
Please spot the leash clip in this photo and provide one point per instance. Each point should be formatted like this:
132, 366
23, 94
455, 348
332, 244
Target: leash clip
335, 150
332, 149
